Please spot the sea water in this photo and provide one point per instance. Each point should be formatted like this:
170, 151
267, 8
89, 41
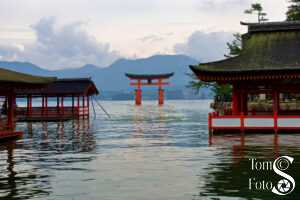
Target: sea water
141, 153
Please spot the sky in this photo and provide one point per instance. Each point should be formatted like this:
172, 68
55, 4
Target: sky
56, 34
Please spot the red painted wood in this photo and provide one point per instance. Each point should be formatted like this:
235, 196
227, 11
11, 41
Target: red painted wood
57, 103
46, 104
235, 101
139, 82
149, 84
88, 106
242, 118
210, 121
138, 97
10, 110
43, 104
73, 103
161, 97
10, 134
62, 104
28, 104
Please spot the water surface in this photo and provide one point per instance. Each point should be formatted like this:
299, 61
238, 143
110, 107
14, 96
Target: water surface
142, 153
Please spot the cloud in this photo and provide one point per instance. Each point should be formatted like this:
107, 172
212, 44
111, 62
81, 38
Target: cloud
205, 46
224, 5
10, 52
59, 47
151, 38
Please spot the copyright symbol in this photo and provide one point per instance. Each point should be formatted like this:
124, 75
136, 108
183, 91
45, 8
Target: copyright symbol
282, 164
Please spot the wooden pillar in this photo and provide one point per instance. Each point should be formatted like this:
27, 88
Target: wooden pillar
161, 96
244, 102
275, 96
210, 122
46, 104
28, 104
242, 118
43, 104
138, 94
235, 100
83, 106
73, 104
88, 105
10, 110
138, 97
62, 105
57, 104
78, 105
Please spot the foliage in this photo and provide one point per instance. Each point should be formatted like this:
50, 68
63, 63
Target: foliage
256, 8
222, 92
235, 47
293, 13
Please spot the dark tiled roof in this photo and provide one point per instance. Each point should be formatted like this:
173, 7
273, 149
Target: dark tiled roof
60, 87
17, 77
269, 50
73, 86
272, 26
149, 76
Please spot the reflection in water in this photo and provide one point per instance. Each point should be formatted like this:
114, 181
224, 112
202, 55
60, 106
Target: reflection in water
19, 183
146, 152
230, 178
48, 146
149, 120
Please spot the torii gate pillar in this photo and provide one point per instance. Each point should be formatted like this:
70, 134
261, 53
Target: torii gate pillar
138, 94
161, 96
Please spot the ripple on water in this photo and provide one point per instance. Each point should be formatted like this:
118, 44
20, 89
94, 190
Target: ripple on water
146, 152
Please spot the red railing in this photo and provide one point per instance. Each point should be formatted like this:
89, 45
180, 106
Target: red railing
276, 122
52, 112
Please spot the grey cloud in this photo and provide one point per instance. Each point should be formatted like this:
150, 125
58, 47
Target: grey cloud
151, 38
222, 5
68, 45
205, 46
9, 52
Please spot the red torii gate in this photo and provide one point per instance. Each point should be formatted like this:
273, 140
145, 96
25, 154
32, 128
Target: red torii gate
140, 80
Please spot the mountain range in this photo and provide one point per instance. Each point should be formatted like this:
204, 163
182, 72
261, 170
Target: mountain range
112, 79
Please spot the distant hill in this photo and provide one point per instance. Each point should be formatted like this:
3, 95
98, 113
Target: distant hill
112, 78
24, 67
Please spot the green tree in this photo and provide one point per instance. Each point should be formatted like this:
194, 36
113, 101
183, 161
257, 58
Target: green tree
221, 92
256, 8
234, 47
293, 13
